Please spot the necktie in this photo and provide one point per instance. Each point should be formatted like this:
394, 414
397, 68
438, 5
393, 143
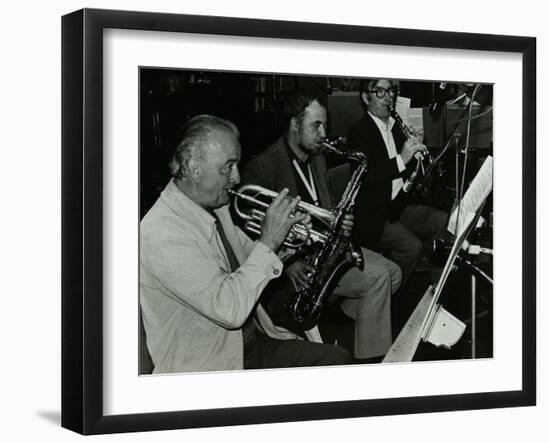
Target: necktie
233, 262
248, 327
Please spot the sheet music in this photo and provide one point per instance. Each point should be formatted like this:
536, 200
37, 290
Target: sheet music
402, 106
412, 117
406, 343
416, 119
476, 194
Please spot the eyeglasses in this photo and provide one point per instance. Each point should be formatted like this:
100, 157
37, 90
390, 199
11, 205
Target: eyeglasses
381, 92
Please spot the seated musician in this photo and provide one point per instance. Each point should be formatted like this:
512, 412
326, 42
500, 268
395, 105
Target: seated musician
383, 219
295, 161
201, 277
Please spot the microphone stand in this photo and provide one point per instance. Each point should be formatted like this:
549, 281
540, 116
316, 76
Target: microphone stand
475, 270
454, 136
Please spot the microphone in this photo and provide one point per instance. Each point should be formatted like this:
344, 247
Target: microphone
460, 97
441, 94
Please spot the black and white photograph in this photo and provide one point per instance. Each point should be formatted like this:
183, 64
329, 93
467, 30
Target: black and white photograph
291, 220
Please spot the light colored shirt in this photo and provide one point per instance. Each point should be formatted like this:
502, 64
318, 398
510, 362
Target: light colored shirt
193, 305
385, 131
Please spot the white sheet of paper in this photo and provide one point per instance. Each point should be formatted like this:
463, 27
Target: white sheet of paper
415, 119
477, 192
402, 106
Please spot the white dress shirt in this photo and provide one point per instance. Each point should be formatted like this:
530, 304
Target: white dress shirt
193, 304
385, 131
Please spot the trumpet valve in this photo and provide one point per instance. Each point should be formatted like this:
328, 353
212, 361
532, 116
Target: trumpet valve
257, 214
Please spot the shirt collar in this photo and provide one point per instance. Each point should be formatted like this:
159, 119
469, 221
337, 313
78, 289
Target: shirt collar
189, 210
381, 124
292, 155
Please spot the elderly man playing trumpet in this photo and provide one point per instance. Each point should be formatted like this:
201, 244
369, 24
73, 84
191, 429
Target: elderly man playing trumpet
296, 161
201, 277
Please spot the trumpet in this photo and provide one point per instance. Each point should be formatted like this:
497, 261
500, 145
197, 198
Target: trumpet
258, 199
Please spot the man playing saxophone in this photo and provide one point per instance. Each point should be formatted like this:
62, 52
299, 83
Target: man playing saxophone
296, 161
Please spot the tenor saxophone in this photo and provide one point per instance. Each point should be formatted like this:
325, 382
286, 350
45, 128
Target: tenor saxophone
334, 256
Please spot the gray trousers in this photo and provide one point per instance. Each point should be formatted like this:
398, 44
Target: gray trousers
367, 300
410, 236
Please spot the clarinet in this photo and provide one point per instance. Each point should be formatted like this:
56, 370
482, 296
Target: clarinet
408, 133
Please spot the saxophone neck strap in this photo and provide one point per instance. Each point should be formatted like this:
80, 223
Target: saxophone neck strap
308, 182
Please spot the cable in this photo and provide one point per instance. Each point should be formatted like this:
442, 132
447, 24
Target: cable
473, 117
465, 163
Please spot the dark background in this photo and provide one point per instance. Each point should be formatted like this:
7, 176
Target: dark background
253, 101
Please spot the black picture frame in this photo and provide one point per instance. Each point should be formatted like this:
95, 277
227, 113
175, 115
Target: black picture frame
82, 218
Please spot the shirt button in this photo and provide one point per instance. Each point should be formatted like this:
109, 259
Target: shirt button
276, 271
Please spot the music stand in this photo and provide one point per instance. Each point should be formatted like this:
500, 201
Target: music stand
430, 321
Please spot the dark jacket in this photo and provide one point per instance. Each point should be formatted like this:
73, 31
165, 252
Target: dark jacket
272, 169
374, 204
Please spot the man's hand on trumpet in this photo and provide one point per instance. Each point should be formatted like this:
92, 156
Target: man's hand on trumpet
280, 216
285, 252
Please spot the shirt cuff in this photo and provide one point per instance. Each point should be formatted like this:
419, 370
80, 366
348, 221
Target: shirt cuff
400, 164
266, 259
